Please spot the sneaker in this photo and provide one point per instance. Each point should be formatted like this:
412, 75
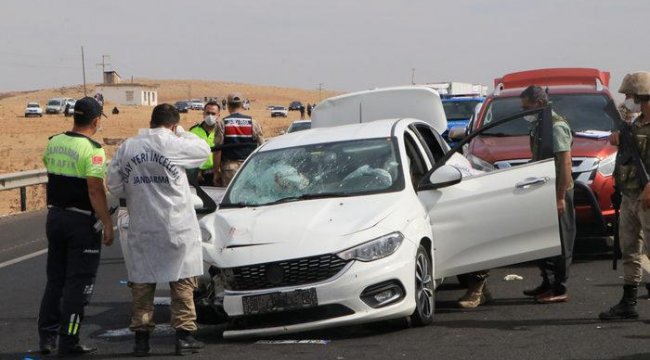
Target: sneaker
542, 288
550, 297
75, 351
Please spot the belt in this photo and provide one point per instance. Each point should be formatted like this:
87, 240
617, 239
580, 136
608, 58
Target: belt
81, 211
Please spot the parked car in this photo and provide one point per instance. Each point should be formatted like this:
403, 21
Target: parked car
68, 110
183, 106
295, 105
361, 217
581, 96
299, 125
56, 105
197, 104
279, 111
33, 109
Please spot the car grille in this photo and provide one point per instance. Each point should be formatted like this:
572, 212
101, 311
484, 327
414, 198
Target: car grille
283, 273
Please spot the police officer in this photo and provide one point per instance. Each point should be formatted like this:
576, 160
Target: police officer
206, 131
240, 136
76, 165
554, 271
635, 204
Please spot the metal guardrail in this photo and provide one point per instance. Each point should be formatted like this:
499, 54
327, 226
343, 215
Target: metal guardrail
22, 179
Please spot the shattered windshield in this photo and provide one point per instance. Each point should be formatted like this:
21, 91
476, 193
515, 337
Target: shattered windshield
582, 111
337, 169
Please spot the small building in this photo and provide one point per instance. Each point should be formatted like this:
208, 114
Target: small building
129, 94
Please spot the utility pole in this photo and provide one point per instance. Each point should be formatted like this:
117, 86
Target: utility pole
83, 70
412, 76
104, 64
320, 91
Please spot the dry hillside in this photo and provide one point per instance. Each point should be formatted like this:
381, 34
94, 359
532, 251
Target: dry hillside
23, 139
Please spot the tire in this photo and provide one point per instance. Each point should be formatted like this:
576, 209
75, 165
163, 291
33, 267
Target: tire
424, 297
206, 311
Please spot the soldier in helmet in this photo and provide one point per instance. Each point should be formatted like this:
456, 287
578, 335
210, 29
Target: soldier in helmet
625, 108
635, 205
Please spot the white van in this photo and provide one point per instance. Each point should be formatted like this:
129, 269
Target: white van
56, 105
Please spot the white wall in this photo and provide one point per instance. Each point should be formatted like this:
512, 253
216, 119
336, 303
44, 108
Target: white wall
129, 95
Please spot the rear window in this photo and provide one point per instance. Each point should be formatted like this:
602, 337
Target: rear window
582, 111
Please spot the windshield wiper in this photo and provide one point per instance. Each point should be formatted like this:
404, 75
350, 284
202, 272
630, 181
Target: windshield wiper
233, 205
308, 197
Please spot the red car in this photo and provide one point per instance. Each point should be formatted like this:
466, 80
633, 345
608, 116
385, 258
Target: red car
579, 95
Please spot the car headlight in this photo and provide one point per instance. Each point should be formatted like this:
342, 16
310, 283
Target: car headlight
374, 249
606, 165
479, 163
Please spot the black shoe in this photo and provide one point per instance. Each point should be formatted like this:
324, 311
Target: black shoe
186, 344
47, 345
141, 344
620, 311
541, 289
76, 350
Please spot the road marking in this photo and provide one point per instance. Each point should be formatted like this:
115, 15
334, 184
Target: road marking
22, 258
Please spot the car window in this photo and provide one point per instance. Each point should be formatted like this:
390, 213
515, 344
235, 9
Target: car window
416, 166
582, 111
459, 110
433, 141
347, 168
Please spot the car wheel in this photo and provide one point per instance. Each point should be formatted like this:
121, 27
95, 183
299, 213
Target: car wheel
206, 311
424, 299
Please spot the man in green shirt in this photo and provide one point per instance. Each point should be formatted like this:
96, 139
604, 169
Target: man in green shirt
206, 131
76, 198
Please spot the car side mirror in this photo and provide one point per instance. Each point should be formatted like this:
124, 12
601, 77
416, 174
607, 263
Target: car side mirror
457, 133
444, 176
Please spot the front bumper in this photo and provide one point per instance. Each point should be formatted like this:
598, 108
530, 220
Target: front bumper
339, 301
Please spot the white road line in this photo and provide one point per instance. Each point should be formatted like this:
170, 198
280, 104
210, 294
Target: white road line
22, 258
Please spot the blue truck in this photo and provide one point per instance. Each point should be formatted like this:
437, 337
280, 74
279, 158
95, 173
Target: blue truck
459, 109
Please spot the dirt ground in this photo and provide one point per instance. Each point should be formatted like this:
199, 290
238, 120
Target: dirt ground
23, 140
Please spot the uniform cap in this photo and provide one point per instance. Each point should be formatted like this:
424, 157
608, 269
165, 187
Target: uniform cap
88, 108
235, 98
639, 83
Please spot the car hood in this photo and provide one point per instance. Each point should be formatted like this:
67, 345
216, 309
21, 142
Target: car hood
253, 235
493, 149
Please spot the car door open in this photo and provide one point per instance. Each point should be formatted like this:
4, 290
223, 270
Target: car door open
494, 219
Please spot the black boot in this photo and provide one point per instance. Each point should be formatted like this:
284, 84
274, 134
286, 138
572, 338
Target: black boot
141, 344
625, 309
186, 343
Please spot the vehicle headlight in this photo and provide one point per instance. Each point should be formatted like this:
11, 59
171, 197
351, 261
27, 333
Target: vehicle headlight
606, 165
374, 249
479, 163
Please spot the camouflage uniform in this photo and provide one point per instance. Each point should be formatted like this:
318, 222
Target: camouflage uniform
229, 167
182, 305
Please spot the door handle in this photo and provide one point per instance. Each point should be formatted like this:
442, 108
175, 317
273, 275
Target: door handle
533, 181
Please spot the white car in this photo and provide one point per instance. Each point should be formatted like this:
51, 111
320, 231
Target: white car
280, 111
33, 109
347, 224
299, 125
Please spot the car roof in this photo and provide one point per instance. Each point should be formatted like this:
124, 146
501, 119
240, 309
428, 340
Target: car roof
370, 130
557, 89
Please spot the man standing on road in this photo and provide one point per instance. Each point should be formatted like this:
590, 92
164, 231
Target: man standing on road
555, 270
163, 242
76, 198
239, 136
635, 204
206, 130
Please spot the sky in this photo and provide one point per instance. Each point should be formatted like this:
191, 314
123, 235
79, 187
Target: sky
341, 45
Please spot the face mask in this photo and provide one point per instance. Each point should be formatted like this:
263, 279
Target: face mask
530, 118
632, 106
210, 120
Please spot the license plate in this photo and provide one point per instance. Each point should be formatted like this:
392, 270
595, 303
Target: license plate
279, 301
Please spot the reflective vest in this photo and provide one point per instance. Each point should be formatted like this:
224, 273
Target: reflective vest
626, 175
199, 131
238, 129
69, 159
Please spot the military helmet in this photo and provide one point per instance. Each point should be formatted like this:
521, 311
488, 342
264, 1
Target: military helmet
637, 82
625, 85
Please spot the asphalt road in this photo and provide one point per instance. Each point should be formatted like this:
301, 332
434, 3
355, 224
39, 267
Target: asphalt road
512, 327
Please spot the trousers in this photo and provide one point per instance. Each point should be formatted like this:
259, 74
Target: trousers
72, 261
633, 219
182, 305
555, 270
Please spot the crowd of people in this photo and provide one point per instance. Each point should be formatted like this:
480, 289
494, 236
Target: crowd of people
153, 172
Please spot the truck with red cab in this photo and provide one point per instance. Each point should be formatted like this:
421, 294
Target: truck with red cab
580, 95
